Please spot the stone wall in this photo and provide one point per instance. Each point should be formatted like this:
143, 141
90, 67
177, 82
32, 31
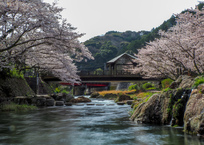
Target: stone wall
12, 87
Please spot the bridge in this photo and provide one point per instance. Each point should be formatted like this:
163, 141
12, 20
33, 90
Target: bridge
103, 76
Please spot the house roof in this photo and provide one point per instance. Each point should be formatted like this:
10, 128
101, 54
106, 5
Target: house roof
116, 58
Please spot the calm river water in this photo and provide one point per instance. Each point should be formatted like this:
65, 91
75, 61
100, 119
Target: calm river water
86, 125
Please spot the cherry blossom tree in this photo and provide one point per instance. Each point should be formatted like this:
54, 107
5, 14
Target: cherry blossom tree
33, 33
179, 49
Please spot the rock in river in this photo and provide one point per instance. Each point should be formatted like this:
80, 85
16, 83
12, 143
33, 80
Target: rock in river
80, 100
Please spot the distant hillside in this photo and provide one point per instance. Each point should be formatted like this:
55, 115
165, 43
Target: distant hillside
114, 43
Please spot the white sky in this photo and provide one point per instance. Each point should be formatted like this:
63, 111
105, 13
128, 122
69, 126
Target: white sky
96, 17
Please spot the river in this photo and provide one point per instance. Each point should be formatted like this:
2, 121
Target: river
86, 125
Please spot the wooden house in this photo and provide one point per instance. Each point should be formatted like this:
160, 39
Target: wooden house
121, 65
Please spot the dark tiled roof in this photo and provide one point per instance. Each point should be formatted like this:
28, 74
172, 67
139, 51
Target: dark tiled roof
116, 58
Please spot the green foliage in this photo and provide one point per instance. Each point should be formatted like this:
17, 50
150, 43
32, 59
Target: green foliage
170, 105
198, 81
12, 73
169, 110
166, 83
16, 107
200, 6
135, 98
64, 91
98, 71
57, 90
166, 90
176, 126
61, 89
152, 88
148, 85
178, 106
148, 98
133, 87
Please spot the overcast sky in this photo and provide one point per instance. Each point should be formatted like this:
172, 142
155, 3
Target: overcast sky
96, 17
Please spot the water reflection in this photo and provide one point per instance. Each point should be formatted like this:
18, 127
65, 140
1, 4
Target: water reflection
86, 125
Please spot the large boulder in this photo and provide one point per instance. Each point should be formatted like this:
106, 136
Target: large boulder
181, 104
40, 101
94, 95
50, 102
158, 109
153, 110
194, 114
68, 97
80, 100
124, 97
62, 97
110, 96
183, 81
59, 103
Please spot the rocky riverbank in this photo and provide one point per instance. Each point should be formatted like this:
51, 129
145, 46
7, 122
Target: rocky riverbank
17, 91
182, 104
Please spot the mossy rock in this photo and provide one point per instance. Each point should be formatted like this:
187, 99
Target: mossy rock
110, 96
94, 95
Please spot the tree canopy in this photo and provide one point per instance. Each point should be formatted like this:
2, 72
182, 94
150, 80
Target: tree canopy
179, 48
33, 33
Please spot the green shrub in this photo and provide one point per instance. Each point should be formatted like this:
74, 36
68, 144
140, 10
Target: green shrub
133, 87
135, 98
98, 71
65, 91
15, 73
166, 83
146, 86
62, 89
198, 81
57, 90
152, 88
167, 89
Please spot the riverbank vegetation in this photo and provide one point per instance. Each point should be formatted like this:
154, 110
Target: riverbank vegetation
103, 93
16, 107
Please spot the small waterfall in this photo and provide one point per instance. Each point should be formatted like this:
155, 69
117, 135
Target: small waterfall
171, 119
183, 100
188, 93
123, 86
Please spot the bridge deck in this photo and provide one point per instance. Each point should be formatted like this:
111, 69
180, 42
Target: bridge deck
105, 77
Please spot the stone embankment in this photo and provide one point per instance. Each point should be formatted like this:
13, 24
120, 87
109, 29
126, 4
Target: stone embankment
18, 91
180, 105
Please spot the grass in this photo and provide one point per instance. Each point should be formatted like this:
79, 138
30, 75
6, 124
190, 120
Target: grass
198, 81
16, 107
114, 92
166, 83
167, 89
144, 94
